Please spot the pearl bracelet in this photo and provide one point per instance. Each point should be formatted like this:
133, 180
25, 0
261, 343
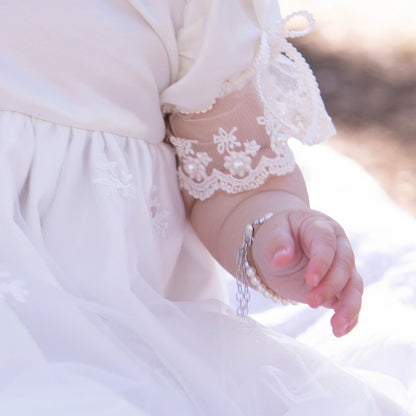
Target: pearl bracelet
247, 274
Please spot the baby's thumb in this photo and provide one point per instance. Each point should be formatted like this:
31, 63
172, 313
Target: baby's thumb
274, 246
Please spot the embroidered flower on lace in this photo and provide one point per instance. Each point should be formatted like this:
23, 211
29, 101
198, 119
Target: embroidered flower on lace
226, 141
194, 166
251, 148
273, 125
13, 287
237, 163
114, 179
183, 147
159, 216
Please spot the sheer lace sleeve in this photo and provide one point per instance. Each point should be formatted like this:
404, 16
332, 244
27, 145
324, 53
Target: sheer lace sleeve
242, 137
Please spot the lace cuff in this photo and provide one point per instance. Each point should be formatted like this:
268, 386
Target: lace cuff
243, 138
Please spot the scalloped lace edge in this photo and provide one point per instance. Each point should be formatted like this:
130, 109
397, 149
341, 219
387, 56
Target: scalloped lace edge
225, 182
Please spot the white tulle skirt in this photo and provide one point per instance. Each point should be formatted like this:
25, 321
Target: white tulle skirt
93, 238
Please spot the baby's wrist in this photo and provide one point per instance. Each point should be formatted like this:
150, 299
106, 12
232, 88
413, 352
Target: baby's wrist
247, 274
247, 211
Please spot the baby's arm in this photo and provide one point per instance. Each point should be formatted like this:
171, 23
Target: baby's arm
302, 254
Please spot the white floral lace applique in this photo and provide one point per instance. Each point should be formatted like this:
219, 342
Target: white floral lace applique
194, 163
159, 215
12, 287
242, 165
114, 179
238, 163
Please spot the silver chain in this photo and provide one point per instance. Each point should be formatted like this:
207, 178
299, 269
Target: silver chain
243, 293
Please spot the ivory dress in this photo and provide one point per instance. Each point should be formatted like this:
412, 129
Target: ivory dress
107, 300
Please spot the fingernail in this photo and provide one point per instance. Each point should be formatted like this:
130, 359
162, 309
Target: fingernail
317, 301
343, 329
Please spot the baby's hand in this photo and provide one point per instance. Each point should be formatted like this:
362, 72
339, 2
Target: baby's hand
305, 256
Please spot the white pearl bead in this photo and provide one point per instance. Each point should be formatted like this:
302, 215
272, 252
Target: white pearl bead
275, 299
238, 164
251, 272
262, 288
190, 168
255, 281
268, 294
268, 215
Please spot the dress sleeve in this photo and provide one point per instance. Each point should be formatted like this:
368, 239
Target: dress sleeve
242, 92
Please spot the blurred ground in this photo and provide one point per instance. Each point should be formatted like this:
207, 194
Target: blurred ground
364, 57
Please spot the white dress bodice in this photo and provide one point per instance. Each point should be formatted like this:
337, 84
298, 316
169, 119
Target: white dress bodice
96, 65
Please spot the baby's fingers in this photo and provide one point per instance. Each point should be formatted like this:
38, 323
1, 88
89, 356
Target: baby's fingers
338, 275
319, 242
348, 307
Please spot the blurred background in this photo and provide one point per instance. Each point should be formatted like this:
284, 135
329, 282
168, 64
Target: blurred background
363, 54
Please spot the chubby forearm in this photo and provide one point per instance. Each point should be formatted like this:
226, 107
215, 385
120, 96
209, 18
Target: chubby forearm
220, 220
